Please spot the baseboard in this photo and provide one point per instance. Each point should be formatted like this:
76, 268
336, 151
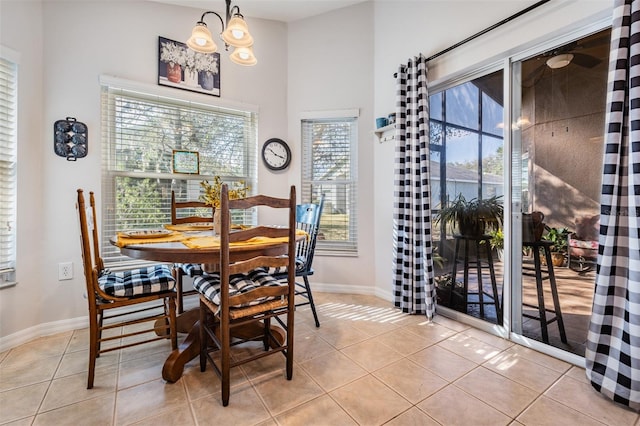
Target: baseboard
351, 289
47, 329
41, 330
341, 288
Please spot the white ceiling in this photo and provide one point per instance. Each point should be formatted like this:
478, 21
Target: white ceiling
277, 10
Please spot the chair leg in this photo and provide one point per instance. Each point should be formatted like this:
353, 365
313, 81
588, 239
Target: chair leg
266, 340
290, 316
310, 297
225, 363
173, 326
93, 348
203, 336
178, 273
99, 333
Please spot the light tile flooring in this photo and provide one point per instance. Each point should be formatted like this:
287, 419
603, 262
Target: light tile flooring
367, 364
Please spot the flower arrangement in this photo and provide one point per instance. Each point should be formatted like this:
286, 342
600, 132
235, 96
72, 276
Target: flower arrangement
211, 195
206, 62
190, 57
172, 53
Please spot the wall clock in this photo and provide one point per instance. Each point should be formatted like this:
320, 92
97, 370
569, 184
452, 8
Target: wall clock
276, 154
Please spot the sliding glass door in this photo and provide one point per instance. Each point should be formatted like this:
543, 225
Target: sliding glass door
559, 99
552, 150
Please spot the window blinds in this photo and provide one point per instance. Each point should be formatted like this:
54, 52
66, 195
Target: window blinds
8, 166
329, 167
140, 132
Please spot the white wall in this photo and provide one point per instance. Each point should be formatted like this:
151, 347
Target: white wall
21, 306
330, 68
65, 47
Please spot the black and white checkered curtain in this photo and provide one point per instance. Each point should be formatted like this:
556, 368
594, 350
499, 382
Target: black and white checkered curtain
613, 343
414, 290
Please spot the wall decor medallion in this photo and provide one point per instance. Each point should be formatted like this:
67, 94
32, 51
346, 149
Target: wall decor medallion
184, 68
70, 139
186, 162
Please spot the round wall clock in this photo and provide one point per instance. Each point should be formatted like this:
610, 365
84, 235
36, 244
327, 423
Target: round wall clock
276, 154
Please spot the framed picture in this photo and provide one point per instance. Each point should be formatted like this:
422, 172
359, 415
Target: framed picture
186, 162
184, 68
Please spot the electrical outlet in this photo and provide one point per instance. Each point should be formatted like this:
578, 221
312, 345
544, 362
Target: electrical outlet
65, 271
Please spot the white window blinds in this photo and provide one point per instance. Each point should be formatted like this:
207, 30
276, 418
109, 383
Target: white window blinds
329, 168
140, 133
8, 166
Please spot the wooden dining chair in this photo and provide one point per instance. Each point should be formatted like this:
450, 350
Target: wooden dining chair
185, 212
240, 301
152, 288
308, 220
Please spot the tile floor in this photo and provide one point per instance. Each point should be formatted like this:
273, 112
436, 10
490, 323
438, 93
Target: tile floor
367, 364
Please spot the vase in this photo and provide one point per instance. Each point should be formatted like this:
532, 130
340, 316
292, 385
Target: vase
174, 72
190, 77
206, 80
216, 221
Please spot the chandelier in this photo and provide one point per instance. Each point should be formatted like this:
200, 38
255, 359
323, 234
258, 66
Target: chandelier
236, 35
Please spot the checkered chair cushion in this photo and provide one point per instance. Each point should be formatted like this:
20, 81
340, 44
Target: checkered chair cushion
300, 265
191, 269
209, 285
137, 282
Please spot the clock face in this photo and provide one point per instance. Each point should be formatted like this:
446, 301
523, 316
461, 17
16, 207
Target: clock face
276, 154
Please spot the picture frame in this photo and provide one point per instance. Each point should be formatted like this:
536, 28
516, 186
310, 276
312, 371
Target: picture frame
187, 162
184, 68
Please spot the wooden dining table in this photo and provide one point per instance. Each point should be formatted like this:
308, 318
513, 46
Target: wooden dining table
188, 321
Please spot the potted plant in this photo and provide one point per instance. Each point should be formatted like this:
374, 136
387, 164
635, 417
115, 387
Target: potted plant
497, 242
472, 217
559, 238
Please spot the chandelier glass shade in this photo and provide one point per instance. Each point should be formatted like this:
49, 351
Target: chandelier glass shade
235, 34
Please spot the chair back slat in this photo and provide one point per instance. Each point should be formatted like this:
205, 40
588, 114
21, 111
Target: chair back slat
257, 262
259, 231
185, 211
259, 293
227, 235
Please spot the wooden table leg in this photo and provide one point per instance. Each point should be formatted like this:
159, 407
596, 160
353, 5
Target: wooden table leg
187, 350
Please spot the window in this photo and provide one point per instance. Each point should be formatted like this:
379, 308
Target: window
329, 168
141, 132
8, 165
466, 134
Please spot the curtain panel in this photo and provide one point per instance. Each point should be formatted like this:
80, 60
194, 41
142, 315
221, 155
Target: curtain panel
613, 343
414, 289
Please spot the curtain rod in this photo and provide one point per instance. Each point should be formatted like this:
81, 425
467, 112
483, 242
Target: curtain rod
486, 30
